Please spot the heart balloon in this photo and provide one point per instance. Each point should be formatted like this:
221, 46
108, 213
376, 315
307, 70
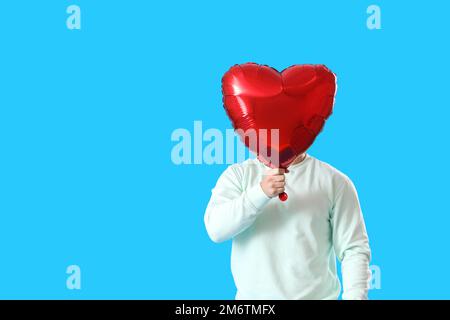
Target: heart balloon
284, 111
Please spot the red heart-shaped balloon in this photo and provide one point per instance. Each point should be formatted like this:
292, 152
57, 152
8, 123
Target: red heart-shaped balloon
296, 101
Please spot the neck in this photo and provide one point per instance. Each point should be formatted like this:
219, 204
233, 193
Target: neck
300, 158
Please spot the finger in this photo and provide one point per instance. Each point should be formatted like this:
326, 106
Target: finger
271, 172
275, 171
279, 190
278, 178
278, 184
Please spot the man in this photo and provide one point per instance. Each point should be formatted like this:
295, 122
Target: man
287, 250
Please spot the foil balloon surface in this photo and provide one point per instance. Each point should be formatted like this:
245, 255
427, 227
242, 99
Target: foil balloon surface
278, 115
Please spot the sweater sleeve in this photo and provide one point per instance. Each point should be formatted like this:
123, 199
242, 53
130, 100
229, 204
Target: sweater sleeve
351, 242
231, 209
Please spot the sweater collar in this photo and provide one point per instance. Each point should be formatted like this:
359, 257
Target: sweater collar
292, 166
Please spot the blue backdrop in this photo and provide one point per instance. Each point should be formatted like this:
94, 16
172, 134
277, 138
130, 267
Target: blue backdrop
86, 118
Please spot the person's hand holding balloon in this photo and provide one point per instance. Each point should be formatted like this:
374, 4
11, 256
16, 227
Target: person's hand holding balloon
273, 182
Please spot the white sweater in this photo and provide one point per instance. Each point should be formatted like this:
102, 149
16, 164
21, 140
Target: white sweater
287, 250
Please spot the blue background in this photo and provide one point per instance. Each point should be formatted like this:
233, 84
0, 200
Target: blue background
86, 118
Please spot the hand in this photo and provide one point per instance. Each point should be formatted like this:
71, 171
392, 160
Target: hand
273, 182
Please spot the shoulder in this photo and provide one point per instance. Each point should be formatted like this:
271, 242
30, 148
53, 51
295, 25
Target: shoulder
331, 174
235, 173
239, 170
